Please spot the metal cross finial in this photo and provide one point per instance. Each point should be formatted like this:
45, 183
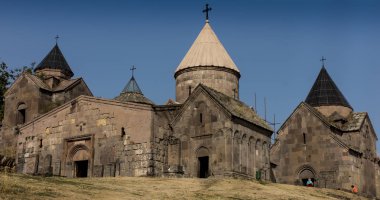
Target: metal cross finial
56, 39
133, 69
323, 61
206, 11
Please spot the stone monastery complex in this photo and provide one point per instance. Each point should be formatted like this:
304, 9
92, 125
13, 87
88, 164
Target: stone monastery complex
57, 127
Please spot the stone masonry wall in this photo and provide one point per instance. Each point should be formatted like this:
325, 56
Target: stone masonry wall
111, 135
226, 81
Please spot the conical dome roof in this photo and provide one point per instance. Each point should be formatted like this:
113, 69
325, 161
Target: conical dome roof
55, 60
325, 93
207, 50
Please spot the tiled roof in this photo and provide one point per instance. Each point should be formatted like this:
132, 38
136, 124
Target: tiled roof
325, 93
132, 93
61, 86
207, 50
133, 97
237, 108
55, 60
352, 123
65, 84
132, 86
36, 80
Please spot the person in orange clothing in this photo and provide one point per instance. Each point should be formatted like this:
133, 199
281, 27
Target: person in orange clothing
354, 189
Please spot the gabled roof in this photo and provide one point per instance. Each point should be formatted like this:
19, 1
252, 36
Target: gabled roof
63, 85
207, 50
354, 123
231, 106
237, 108
325, 93
55, 60
132, 93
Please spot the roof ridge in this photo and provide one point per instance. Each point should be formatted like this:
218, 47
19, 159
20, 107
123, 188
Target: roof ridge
257, 120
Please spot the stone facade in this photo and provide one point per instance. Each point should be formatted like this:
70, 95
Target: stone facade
112, 138
330, 144
67, 132
30, 97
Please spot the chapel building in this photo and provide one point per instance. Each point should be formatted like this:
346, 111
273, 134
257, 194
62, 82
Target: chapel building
326, 141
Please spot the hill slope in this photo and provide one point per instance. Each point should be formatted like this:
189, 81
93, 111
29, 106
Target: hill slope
17, 186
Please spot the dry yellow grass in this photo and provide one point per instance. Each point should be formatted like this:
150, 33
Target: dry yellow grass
17, 186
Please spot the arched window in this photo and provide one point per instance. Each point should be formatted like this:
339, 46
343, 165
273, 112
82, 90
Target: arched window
21, 113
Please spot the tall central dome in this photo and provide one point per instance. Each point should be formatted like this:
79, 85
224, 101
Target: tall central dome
207, 62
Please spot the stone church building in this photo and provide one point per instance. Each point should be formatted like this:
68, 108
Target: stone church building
59, 128
326, 141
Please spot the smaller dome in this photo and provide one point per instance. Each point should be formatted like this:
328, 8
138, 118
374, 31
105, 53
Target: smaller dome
132, 93
55, 60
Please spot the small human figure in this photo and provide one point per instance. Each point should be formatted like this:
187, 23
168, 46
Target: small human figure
354, 189
309, 183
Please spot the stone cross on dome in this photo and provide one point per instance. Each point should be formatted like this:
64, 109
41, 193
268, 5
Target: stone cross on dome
56, 39
206, 11
323, 59
133, 69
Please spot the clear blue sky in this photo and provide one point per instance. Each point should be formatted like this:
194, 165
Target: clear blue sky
277, 45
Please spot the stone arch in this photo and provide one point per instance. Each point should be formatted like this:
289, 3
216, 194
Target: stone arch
305, 172
75, 151
236, 143
251, 157
244, 153
203, 157
265, 153
21, 113
258, 153
219, 157
228, 136
80, 158
265, 160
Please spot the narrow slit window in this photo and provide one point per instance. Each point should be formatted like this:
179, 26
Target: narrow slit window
122, 132
304, 138
200, 118
189, 90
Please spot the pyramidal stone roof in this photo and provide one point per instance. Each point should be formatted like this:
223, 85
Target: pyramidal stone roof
132, 86
133, 93
55, 60
325, 93
207, 50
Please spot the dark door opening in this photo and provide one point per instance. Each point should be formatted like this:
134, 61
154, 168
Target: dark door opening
203, 167
81, 168
304, 181
21, 116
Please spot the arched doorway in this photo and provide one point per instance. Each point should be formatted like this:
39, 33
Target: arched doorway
203, 162
21, 113
80, 159
305, 174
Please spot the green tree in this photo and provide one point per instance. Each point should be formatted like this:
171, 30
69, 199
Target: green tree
7, 77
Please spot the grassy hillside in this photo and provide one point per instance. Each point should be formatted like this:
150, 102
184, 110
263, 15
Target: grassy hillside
17, 186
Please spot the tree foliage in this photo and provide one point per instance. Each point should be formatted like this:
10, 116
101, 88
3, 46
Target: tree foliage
7, 76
